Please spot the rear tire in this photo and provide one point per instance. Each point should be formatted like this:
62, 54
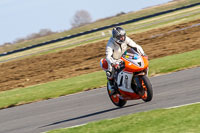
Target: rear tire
116, 100
148, 89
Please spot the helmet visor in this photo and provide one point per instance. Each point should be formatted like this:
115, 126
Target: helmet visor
121, 38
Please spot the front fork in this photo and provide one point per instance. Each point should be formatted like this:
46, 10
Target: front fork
137, 82
137, 85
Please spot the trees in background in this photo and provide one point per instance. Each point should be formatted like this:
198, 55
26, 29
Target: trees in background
41, 33
81, 17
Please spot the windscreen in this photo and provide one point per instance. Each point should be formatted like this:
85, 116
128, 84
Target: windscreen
131, 55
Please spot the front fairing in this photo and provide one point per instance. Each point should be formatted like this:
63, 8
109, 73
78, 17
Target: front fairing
134, 62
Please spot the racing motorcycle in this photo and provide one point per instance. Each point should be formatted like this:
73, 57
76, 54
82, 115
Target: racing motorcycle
130, 79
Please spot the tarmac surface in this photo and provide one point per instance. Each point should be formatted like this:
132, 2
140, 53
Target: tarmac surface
169, 90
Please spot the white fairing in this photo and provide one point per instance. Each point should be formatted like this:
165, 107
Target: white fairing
126, 78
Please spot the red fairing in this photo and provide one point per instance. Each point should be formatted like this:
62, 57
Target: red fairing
104, 64
130, 67
129, 95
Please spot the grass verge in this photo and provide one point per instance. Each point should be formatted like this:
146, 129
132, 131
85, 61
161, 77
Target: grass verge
157, 121
93, 80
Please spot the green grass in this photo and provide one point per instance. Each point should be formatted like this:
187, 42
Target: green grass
93, 80
176, 120
175, 62
101, 23
51, 89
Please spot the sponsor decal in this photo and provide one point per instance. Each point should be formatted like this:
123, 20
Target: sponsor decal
126, 56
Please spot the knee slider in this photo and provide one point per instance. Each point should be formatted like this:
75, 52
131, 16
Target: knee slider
108, 74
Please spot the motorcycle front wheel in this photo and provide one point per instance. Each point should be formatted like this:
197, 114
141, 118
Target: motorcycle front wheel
116, 100
148, 91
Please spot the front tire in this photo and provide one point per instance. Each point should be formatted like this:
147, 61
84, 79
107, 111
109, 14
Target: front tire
148, 91
116, 99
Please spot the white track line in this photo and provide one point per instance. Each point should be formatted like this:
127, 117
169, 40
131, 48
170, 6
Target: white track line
182, 105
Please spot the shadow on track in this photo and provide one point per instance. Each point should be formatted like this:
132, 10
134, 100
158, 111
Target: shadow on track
89, 115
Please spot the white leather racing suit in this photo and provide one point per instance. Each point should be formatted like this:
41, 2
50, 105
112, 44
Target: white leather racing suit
114, 51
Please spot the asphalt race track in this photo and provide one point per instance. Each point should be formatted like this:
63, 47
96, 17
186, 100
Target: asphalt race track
173, 89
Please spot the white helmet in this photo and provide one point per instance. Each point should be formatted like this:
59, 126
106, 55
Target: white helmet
119, 35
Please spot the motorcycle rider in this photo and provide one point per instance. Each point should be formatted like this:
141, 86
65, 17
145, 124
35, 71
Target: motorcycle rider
116, 46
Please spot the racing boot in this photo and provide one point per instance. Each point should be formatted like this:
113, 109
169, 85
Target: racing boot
111, 82
113, 89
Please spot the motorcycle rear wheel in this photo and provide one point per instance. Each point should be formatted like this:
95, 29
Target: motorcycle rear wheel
116, 100
146, 84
